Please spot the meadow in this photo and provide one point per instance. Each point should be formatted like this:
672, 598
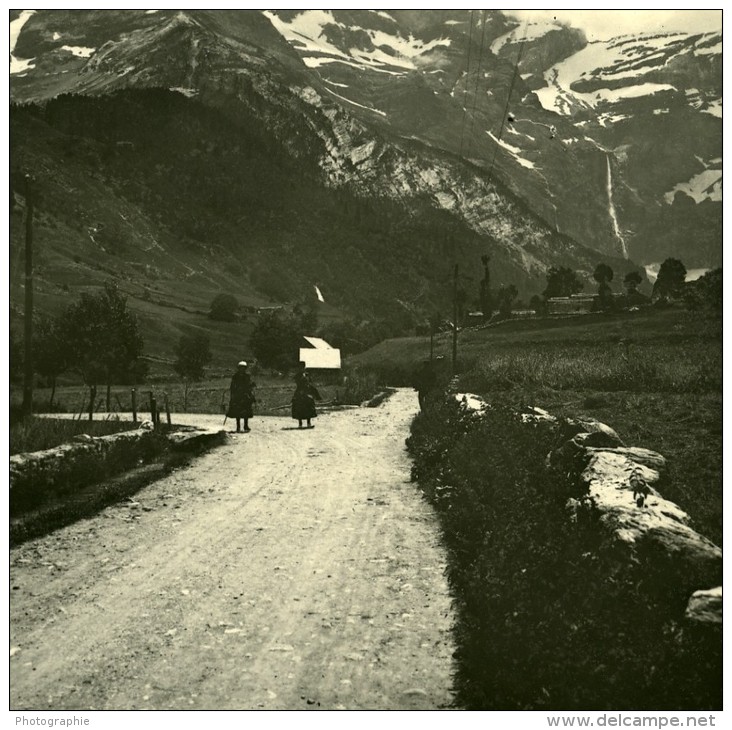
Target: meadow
654, 375
539, 625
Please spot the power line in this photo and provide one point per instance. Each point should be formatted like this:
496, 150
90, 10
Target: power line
508, 101
477, 83
467, 79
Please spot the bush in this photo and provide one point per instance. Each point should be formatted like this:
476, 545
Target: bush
358, 387
545, 618
224, 308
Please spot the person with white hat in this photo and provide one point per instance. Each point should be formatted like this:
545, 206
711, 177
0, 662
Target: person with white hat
242, 399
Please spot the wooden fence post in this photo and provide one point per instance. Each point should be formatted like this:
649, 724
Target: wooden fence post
133, 393
167, 406
153, 409
92, 400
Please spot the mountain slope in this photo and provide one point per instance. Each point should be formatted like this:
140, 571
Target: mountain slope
637, 119
230, 150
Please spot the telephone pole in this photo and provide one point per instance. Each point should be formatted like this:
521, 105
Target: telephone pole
454, 319
28, 329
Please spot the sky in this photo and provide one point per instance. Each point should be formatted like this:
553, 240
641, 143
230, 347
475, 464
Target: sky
604, 24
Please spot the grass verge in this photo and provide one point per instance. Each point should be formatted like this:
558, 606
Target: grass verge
547, 619
39, 434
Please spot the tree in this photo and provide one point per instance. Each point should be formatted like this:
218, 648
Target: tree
505, 297
632, 281
224, 308
711, 288
307, 312
103, 339
705, 291
538, 304
275, 340
193, 353
670, 280
561, 282
51, 354
603, 275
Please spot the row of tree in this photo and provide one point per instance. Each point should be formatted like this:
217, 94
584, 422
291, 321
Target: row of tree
562, 281
97, 337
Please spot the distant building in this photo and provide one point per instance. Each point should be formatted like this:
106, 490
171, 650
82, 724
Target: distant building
522, 313
575, 304
319, 355
586, 303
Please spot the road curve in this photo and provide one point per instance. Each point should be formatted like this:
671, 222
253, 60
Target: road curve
288, 569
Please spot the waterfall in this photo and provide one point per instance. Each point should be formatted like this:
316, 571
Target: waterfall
611, 209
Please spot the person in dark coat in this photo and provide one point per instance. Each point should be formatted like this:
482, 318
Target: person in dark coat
303, 400
241, 399
425, 381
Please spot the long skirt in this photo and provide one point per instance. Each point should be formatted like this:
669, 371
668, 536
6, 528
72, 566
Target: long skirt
303, 406
241, 407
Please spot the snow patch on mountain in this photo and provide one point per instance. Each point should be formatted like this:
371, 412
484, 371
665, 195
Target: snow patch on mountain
79, 51
512, 130
317, 61
306, 32
383, 14
706, 185
609, 118
525, 32
185, 90
630, 92
714, 108
515, 151
707, 50
407, 47
625, 58
19, 65
355, 103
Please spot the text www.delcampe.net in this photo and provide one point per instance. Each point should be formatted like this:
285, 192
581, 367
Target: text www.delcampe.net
620, 720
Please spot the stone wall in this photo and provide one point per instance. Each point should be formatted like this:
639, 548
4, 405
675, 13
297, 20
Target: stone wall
87, 459
613, 486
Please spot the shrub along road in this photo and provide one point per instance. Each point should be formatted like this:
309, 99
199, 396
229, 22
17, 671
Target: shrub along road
287, 569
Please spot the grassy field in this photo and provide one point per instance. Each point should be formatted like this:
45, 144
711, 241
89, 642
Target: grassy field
654, 375
538, 625
274, 394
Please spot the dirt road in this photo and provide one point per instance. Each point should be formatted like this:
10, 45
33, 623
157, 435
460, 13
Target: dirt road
285, 570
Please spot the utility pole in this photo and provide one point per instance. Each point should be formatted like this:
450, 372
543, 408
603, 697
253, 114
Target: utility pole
454, 320
28, 329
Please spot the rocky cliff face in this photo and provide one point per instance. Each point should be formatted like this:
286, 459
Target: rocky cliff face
545, 111
486, 124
